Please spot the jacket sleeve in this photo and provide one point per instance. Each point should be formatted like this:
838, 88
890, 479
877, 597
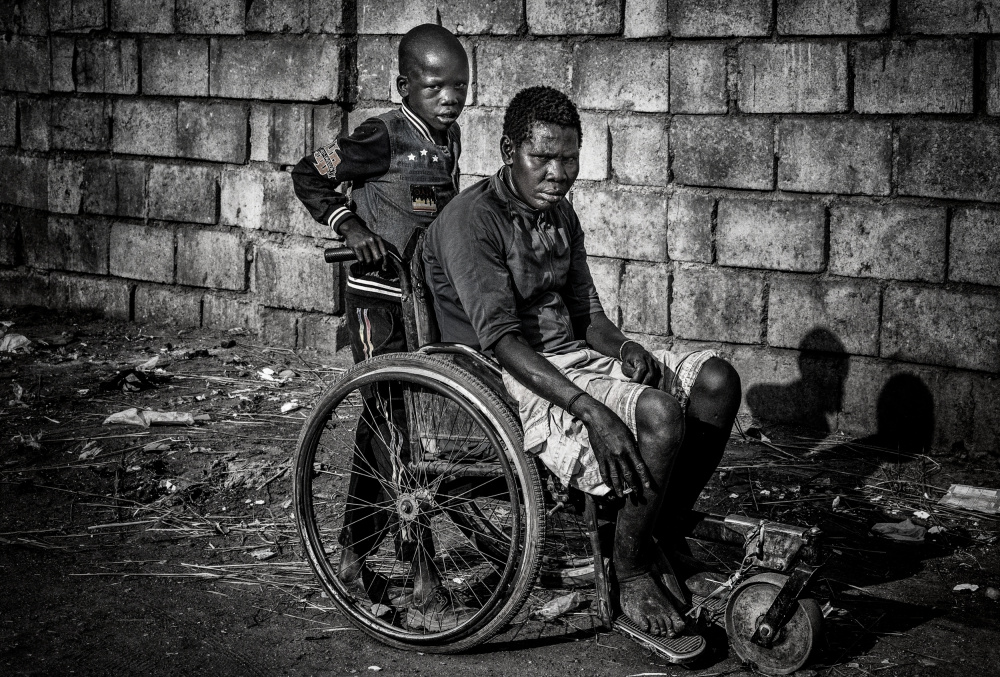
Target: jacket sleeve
318, 177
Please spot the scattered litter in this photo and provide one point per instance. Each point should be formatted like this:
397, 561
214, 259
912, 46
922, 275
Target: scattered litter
962, 587
290, 406
968, 497
251, 474
150, 364
379, 610
129, 380
905, 531
147, 418
15, 343
177, 484
18, 395
922, 515
993, 593
836, 502
159, 445
936, 529
259, 501
267, 374
374, 668
286, 503
262, 554
286, 374
90, 450
558, 606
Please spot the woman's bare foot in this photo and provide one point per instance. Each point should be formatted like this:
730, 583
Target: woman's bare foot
643, 601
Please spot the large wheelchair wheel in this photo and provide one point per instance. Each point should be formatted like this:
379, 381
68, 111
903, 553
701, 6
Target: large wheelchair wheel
416, 464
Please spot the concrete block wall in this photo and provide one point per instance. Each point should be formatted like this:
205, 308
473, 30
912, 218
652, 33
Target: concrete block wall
808, 186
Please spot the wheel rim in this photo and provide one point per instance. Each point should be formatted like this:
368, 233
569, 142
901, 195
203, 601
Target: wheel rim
445, 467
793, 643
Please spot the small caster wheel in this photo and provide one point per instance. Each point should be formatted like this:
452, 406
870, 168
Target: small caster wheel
792, 643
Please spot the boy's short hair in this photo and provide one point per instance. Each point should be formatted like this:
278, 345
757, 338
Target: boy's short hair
539, 104
418, 41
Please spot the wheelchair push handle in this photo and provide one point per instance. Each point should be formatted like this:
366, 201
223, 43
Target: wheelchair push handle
338, 254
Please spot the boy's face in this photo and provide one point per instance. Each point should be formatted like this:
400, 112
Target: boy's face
435, 89
544, 167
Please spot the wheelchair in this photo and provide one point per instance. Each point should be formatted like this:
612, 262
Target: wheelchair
421, 453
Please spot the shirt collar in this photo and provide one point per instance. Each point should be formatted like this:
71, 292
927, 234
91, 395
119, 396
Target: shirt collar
502, 185
421, 126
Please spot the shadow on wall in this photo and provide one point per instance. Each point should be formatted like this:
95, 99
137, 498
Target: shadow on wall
905, 408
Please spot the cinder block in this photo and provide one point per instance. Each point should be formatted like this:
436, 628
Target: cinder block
391, 17
171, 306
278, 16
607, 274
848, 309
145, 127
14, 221
359, 115
8, 120
722, 18
301, 68
623, 223
115, 187
698, 77
212, 131
175, 66
322, 332
481, 132
65, 178
835, 156
732, 152
107, 295
948, 16
797, 77
77, 15
25, 182
258, 199
214, 17
993, 77
623, 76
986, 415
378, 67
80, 124
734, 300
832, 17
645, 298
63, 51
770, 382
646, 19
108, 65
473, 17
24, 17
62, 243
295, 276
142, 252
278, 327
974, 254
505, 68
922, 76
35, 121
767, 234
940, 326
230, 311
24, 64
965, 171
689, 227
640, 149
582, 17
183, 193
23, 288
281, 133
594, 151
211, 258
897, 242
327, 124
142, 16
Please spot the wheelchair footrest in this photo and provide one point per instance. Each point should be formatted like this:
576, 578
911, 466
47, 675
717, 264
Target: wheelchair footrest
677, 650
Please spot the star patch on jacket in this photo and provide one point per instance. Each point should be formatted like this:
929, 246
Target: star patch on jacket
327, 159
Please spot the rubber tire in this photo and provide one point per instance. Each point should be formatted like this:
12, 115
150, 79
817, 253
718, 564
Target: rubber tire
464, 388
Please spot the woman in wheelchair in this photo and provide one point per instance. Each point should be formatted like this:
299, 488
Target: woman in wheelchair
507, 267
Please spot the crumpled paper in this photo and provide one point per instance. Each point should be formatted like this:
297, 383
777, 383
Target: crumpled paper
147, 418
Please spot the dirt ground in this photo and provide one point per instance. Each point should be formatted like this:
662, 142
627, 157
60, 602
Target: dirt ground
172, 550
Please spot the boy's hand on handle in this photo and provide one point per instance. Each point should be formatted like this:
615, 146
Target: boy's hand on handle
366, 245
639, 365
618, 459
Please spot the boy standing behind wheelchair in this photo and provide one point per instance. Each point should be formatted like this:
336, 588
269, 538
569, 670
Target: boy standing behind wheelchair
402, 169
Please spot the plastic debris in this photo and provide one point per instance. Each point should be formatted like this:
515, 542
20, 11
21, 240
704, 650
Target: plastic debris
922, 515
147, 418
290, 406
962, 587
262, 554
90, 450
968, 497
150, 364
905, 531
159, 445
374, 668
15, 343
558, 606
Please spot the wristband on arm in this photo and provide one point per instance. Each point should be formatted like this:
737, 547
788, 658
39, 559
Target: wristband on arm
621, 348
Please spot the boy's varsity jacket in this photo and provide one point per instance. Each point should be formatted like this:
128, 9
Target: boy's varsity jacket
398, 179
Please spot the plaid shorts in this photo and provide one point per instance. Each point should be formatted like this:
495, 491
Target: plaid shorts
560, 439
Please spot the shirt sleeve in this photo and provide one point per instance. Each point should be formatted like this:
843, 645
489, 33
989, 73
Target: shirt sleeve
317, 177
475, 265
579, 293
